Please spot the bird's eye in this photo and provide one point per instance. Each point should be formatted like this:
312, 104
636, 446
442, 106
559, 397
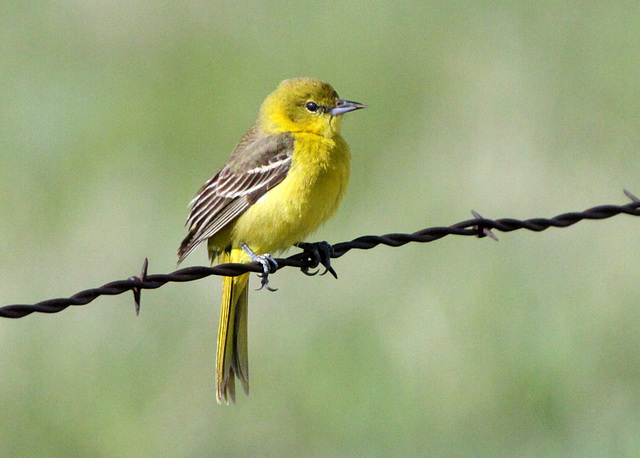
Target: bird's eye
312, 106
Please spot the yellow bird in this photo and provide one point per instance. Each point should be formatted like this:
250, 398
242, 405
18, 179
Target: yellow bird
284, 179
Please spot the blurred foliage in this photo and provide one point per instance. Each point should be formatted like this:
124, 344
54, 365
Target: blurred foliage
113, 115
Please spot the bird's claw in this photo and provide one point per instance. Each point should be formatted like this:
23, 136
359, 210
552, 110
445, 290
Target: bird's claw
306, 271
269, 265
320, 252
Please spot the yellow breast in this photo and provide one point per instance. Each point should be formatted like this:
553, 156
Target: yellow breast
303, 201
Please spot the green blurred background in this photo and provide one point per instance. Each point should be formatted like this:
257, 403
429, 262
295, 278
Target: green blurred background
114, 113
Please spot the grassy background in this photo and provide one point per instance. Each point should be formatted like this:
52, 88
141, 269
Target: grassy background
114, 113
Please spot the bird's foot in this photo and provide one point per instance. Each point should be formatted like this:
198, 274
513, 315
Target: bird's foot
269, 265
321, 253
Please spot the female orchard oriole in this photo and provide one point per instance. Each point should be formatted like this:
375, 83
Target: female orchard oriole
284, 179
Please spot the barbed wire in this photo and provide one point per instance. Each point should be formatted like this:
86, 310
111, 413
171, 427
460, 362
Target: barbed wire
478, 226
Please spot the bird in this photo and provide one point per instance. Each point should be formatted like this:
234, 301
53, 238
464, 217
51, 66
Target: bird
285, 178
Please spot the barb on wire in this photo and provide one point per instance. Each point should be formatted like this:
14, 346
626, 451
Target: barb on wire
479, 226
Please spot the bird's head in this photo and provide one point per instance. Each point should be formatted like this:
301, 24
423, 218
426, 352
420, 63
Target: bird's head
304, 105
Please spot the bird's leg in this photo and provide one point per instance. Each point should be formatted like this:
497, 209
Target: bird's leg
268, 264
320, 252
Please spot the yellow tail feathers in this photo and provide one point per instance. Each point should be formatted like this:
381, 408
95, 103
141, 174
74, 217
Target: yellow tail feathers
232, 355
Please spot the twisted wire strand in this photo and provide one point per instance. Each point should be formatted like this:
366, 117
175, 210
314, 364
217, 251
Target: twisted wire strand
478, 226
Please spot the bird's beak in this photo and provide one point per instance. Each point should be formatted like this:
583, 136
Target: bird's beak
345, 106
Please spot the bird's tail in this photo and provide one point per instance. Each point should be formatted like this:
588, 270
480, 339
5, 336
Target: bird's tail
231, 358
